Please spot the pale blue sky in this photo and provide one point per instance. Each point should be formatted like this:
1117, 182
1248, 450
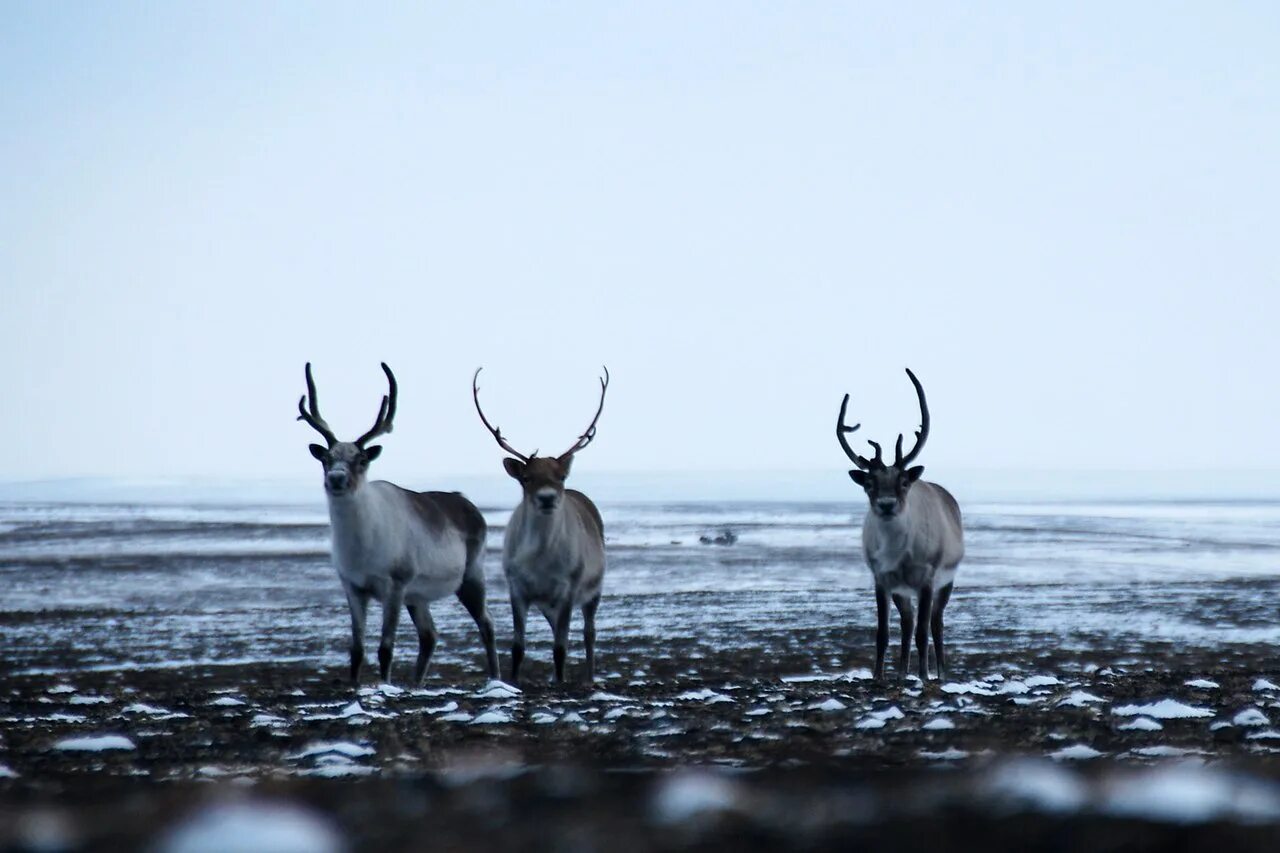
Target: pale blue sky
1064, 219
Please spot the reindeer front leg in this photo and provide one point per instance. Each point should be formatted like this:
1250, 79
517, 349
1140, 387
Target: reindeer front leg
358, 604
882, 629
390, 621
561, 628
519, 610
922, 631
906, 623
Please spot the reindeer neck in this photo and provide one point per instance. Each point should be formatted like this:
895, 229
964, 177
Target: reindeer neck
543, 531
350, 514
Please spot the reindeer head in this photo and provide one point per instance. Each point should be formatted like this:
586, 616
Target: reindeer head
345, 462
541, 477
886, 485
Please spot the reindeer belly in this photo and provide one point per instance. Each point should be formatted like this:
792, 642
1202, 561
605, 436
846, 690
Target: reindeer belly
437, 570
548, 583
904, 578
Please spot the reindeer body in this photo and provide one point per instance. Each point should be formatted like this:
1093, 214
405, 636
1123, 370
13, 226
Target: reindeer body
555, 563
912, 540
401, 548
425, 540
918, 548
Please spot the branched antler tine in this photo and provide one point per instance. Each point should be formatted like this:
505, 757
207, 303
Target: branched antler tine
386, 411
394, 392
879, 460
922, 434
590, 432
842, 431
897, 451
313, 417
497, 433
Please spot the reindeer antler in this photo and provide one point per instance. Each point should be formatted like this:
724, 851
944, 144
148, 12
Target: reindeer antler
899, 461
590, 432
386, 412
842, 430
921, 434
313, 417
497, 433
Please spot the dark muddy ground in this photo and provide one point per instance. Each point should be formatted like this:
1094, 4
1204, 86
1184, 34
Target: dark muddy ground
759, 746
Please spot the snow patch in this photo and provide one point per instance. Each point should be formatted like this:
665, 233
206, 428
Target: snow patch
99, 743
1141, 724
1165, 709
1250, 718
335, 747
497, 689
950, 754
831, 704
706, 695
492, 717
1075, 752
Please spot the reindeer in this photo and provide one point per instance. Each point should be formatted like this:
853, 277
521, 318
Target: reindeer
553, 554
403, 548
912, 540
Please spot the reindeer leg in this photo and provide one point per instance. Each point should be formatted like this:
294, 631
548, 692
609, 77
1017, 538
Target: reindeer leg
560, 625
519, 609
589, 636
922, 632
390, 621
471, 594
882, 629
420, 613
906, 623
944, 595
358, 604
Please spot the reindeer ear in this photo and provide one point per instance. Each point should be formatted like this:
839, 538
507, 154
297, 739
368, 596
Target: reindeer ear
319, 451
372, 453
514, 467
859, 477
913, 474
565, 463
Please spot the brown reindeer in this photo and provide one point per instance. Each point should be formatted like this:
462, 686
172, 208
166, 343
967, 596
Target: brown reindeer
553, 555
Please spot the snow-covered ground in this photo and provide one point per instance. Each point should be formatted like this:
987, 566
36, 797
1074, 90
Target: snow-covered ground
92, 585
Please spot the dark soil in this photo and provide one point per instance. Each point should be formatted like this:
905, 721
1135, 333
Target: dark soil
808, 769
